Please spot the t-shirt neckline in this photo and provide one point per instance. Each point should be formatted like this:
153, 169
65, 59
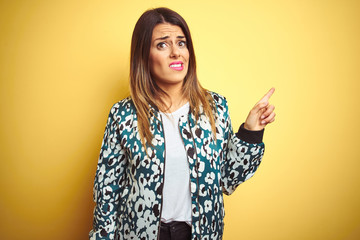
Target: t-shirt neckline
179, 110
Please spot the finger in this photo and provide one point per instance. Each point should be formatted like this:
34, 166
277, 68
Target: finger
272, 120
259, 106
269, 118
268, 111
267, 96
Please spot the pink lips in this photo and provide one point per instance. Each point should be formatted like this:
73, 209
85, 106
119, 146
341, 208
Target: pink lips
178, 66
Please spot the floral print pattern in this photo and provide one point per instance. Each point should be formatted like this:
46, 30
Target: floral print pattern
129, 179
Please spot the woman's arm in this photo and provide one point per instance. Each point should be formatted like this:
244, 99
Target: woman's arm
244, 150
107, 185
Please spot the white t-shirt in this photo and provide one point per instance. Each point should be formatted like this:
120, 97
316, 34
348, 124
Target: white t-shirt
176, 192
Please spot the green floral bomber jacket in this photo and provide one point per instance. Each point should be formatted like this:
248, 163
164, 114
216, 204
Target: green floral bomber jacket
129, 181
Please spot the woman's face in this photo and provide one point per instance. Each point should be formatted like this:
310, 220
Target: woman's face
169, 56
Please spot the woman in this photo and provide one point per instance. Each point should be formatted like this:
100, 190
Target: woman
169, 152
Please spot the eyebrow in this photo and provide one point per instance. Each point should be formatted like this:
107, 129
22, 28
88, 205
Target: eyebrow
166, 37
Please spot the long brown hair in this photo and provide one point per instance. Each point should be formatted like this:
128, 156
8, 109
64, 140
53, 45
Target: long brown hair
143, 90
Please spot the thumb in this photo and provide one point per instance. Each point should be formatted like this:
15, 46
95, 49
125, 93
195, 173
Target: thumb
260, 106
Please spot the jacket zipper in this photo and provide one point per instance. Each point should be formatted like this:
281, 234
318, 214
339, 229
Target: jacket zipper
182, 139
163, 180
197, 174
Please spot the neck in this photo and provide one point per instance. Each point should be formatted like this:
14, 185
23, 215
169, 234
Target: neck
175, 98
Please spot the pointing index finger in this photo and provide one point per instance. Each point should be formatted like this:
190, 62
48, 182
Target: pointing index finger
267, 96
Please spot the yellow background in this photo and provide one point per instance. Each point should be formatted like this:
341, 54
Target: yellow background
64, 63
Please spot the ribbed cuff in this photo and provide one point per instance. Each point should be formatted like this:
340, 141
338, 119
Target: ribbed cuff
250, 136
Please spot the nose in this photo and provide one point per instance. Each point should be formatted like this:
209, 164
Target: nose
175, 52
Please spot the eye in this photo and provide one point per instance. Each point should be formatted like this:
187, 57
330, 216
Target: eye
161, 45
182, 44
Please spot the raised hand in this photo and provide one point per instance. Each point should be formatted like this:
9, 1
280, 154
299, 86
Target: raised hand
261, 114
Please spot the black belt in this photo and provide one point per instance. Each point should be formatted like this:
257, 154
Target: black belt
174, 224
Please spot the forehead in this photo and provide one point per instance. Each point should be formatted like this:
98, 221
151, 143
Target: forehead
166, 29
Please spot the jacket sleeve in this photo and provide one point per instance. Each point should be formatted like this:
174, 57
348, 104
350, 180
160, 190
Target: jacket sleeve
107, 187
240, 158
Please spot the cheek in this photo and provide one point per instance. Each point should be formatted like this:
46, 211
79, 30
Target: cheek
156, 62
186, 55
